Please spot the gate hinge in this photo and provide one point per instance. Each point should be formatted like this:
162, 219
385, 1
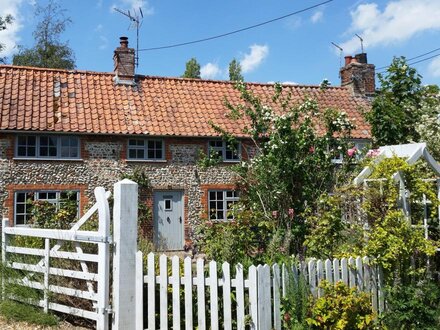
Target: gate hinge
107, 310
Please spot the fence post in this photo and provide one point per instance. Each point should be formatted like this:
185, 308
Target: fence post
125, 214
5, 223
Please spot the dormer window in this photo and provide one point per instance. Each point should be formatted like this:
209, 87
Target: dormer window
47, 146
228, 152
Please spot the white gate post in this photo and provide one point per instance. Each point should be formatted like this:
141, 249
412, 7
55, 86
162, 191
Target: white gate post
125, 214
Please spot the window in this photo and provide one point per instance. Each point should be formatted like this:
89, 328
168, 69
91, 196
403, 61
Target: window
220, 204
47, 146
225, 151
23, 202
143, 149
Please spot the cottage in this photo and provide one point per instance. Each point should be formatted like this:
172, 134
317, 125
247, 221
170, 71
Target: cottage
71, 131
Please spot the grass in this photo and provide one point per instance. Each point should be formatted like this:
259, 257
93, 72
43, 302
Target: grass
15, 311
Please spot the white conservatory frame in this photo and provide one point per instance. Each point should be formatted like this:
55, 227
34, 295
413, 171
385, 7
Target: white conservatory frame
412, 152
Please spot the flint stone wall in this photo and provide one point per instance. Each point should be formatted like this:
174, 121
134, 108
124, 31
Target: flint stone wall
104, 167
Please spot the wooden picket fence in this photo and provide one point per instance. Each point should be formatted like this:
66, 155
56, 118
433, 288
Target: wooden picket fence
173, 290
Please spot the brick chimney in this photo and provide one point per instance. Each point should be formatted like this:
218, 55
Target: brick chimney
358, 75
124, 63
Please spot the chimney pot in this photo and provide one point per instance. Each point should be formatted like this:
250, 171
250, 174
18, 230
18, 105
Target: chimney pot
124, 42
348, 59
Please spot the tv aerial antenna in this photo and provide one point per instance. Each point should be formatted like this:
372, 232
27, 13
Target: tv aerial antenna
136, 20
340, 55
362, 42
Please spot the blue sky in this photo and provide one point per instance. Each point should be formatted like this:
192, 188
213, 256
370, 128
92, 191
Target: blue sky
296, 49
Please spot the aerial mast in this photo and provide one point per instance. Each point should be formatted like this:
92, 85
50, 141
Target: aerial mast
136, 20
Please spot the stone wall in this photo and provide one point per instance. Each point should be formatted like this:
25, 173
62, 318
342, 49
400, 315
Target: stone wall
103, 164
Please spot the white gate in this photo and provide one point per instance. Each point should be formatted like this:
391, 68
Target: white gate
91, 276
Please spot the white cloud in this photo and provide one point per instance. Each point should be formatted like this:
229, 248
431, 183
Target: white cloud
256, 56
133, 6
294, 22
434, 67
399, 21
9, 37
210, 71
317, 17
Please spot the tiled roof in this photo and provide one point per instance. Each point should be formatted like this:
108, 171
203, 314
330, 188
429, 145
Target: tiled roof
34, 99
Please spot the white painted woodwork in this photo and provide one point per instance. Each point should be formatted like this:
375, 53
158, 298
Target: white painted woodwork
201, 313
175, 283
139, 299
125, 223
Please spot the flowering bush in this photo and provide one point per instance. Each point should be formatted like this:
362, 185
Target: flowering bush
293, 165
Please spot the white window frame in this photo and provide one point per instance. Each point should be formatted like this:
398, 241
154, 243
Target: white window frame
223, 150
358, 144
224, 200
58, 146
55, 201
145, 149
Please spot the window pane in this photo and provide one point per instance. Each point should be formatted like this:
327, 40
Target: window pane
21, 197
20, 219
21, 151
131, 153
31, 151
20, 208
22, 140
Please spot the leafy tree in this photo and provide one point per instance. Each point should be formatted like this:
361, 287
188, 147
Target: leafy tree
3, 25
235, 71
428, 126
192, 69
292, 167
397, 107
48, 51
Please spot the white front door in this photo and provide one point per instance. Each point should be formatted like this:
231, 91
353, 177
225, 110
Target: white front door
168, 220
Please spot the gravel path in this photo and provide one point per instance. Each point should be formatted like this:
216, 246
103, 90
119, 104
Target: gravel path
13, 325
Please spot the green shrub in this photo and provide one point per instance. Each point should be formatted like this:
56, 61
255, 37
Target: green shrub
413, 306
20, 312
294, 306
341, 308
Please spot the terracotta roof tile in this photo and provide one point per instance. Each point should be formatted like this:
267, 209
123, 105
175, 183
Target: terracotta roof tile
91, 102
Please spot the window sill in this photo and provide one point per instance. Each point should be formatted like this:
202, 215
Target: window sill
146, 160
49, 159
232, 161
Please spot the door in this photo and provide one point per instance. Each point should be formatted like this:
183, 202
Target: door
168, 220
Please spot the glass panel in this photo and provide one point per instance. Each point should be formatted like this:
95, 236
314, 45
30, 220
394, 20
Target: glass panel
212, 195
20, 219
20, 208
167, 204
31, 151
21, 197
22, 140
131, 153
21, 151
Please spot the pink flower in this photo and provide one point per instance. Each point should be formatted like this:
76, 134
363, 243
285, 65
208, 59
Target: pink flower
275, 214
373, 153
351, 152
312, 149
291, 213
